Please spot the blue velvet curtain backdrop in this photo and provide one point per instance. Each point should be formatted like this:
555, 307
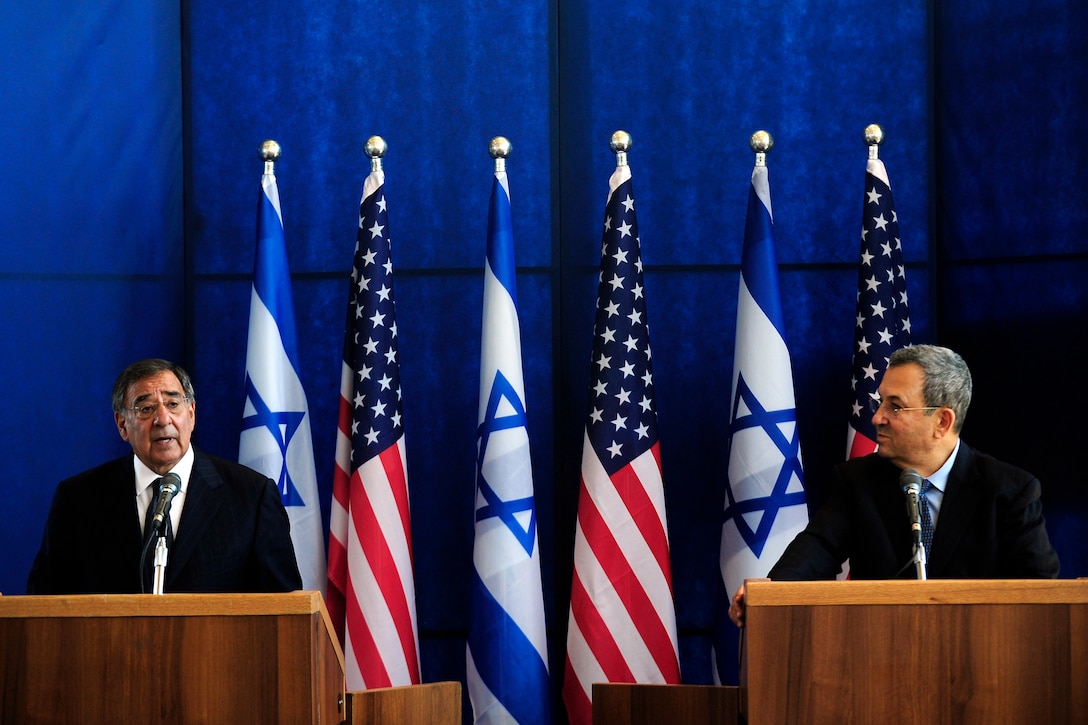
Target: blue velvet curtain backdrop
130, 171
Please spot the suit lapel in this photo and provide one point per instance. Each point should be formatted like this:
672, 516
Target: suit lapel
961, 497
117, 519
891, 505
202, 501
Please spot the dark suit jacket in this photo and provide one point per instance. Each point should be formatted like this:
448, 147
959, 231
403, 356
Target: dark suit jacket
990, 526
233, 536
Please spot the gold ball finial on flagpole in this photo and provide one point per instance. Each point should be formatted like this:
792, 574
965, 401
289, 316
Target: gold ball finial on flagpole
499, 149
375, 149
761, 142
620, 143
874, 137
270, 153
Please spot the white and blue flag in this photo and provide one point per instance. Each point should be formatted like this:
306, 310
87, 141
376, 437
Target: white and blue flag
764, 495
275, 436
507, 654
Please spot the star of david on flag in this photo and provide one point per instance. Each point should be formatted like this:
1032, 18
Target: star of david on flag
275, 438
507, 650
765, 503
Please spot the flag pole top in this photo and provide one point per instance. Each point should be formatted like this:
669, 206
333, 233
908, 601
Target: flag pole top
761, 142
620, 143
270, 154
874, 137
499, 149
375, 149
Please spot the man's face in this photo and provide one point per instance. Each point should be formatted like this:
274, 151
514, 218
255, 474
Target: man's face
908, 438
162, 438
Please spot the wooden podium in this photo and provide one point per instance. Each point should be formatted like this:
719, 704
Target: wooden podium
433, 703
624, 704
174, 658
948, 651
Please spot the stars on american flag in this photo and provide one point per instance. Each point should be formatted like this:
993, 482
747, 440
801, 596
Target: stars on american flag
883, 319
622, 418
376, 395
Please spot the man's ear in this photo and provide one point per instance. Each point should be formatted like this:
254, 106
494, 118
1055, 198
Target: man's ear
946, 421
122, 428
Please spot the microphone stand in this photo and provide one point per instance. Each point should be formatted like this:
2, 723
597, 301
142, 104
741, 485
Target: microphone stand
912, 484
161, 554
919, 558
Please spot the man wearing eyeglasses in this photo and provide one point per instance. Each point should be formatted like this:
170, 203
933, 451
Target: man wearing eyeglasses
985, 516
228, 529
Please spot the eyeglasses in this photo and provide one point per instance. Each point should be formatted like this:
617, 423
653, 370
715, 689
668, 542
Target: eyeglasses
144, 411
893, 409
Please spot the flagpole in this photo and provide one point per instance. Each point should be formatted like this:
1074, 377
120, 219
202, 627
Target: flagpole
270, 154
874, 137
499, 148
375, 149
761, 142
620, 145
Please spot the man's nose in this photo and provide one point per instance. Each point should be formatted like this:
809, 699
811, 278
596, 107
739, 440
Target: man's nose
879, 417
162, 415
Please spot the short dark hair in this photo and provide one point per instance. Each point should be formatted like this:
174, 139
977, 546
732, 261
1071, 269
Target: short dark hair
947, 377
144, 369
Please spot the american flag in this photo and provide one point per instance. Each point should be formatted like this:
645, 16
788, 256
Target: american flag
371, 595
275, 438
622, 625
507, 652
765, 496
883, 320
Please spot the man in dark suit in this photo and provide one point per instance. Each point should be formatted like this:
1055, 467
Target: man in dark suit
986, 515
230, 530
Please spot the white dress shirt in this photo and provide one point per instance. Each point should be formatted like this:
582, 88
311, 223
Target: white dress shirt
145, 494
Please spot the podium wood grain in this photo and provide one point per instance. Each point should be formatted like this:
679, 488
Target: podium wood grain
916, 652
175, 658
625, 704
434, 703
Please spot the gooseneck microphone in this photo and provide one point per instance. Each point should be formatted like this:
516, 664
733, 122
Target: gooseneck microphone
912, 487
171, 485
911, 482
157, 533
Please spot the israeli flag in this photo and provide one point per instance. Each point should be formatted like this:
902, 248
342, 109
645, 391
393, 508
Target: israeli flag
765, 496
507, 653
276, 422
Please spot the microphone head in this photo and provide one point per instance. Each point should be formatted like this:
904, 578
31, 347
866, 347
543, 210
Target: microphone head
910, 480
171, 483
170, 487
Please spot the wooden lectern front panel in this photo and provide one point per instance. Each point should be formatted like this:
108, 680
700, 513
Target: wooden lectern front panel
172, 659
938, 658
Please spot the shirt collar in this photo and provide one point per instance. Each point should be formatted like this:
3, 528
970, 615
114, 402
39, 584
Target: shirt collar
939, 479
145, 476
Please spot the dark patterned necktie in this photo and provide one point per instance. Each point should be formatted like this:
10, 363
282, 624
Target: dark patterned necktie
927, 519
156, 491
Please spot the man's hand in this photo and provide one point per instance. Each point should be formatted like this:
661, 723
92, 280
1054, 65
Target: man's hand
736, 609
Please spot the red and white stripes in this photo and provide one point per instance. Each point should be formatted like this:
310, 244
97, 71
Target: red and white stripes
371, 591
622, 625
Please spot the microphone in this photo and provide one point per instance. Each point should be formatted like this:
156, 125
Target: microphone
912, 487
171, 485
